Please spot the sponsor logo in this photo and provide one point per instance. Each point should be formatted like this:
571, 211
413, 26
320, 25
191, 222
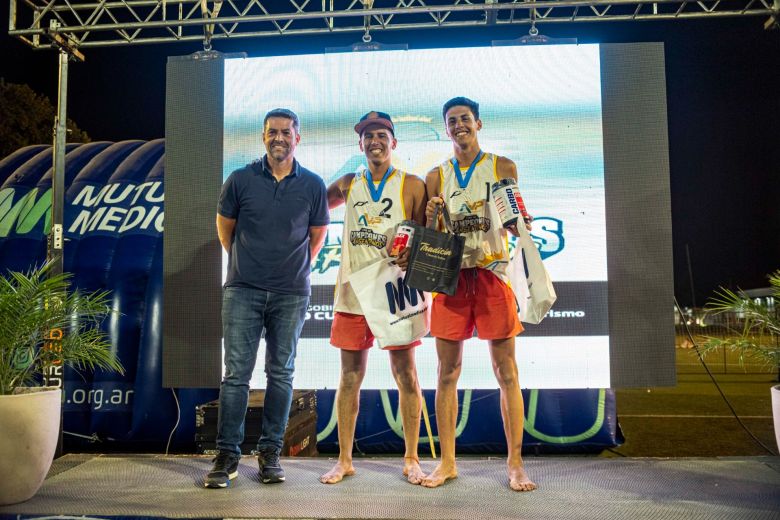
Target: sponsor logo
366, 237
410, 315
512, 202
107, 398
367, 220
471, 207
112, 208
470, 224
436, 251
298, 448
399, 294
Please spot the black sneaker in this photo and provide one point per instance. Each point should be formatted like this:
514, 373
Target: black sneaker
225, 469
271, 471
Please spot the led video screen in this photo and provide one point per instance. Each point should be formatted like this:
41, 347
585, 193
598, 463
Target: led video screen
585, 125
540, 107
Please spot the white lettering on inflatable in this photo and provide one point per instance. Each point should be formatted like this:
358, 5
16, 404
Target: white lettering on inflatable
85, 198
112, 219
111, 199
87, 220
134, 216
155, 187
116, 193
149, 217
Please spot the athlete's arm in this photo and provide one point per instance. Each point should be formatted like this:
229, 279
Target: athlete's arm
433, 192
415, 198
506, 169
337, 192
414, 202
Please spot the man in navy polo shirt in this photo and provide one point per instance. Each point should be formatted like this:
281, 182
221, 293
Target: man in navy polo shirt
272, 219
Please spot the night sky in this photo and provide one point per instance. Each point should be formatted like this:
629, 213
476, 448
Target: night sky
723, 95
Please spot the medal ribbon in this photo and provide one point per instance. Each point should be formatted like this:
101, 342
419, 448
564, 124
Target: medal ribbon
463, 182
376, 192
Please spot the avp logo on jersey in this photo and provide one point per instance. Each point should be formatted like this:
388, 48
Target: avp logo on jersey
368, 220
471, 207
466, 206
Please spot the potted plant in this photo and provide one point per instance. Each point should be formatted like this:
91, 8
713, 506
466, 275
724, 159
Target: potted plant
758, 338
42, 324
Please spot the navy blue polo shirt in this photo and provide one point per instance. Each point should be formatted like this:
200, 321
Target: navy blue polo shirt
270, 248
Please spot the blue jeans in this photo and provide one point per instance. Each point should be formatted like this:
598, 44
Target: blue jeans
246, 313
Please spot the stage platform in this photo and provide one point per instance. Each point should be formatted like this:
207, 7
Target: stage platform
570, 487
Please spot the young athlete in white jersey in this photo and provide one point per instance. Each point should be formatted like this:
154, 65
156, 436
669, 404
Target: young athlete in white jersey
376, 199
483, 300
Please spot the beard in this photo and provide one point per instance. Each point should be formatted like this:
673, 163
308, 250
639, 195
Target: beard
279, 153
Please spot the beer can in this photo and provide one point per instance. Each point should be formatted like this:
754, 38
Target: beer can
403, 237
509, 203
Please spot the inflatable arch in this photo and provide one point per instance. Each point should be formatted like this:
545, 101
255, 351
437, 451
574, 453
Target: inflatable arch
113, 219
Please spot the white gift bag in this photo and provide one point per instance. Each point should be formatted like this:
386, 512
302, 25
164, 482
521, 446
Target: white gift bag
396, 314
530, 280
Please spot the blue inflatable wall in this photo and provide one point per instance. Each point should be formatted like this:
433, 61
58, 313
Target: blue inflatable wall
114, 230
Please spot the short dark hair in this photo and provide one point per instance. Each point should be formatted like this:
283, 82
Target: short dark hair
461, 101
285, 113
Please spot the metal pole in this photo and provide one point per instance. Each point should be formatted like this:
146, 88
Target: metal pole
58, 179
54, 374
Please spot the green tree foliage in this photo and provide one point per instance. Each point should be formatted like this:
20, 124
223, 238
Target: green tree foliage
27, 117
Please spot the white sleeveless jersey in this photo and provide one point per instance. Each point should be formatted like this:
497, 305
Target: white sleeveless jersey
368, 227
474, 215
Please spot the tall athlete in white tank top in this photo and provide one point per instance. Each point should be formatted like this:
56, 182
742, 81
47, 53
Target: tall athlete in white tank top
483, 300
376, 200
466, 192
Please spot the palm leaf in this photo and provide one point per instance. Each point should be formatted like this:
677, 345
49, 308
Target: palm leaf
758, 338
43, 323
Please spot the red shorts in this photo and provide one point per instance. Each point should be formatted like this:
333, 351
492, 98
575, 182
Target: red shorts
482, 301
351, 332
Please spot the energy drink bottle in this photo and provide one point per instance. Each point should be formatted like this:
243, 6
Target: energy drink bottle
403, 237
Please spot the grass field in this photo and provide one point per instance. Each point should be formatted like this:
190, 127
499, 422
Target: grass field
692, 419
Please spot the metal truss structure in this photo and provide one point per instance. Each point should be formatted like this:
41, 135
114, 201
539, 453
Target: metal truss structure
78, 24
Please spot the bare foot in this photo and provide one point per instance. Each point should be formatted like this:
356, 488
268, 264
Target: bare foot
439, 476
519, 481
337, 474
412, 471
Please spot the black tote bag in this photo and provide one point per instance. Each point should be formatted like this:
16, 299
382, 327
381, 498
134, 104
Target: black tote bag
435, 257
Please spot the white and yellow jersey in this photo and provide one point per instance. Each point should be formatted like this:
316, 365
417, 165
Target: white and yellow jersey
370, 218
474, 214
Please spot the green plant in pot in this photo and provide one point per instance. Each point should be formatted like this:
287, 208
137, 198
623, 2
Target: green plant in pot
42, 325
757, 339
